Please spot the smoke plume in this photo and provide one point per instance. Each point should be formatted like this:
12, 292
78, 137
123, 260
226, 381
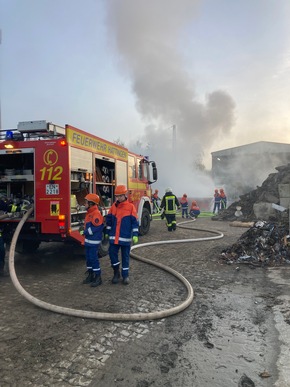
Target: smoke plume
149, 39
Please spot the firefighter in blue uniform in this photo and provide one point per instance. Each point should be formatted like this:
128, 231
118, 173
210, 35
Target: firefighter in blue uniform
122, 227
93, 232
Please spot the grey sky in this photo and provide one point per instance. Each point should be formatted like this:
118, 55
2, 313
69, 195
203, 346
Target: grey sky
218, 69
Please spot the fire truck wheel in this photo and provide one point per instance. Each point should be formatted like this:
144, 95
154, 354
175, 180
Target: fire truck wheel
145, 222
27, 247
104, 248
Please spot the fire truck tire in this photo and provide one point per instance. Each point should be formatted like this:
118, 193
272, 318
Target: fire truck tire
145, 222
104, 248
27, 247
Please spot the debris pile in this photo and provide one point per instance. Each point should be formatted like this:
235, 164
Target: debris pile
264, 244
268, 192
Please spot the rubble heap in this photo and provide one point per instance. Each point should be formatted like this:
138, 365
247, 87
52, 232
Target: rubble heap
267, 242
268, 192
263, 244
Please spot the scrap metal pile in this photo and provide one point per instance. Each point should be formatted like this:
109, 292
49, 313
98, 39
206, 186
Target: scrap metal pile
264, 244
268, 192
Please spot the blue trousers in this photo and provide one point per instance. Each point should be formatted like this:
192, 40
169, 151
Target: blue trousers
185, 212
125, 253
216, 207
92, 259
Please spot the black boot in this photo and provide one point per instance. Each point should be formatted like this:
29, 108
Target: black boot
116, 277
97, 280
89, 278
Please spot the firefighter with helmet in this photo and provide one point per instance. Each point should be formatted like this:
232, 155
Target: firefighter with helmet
121, 228
168, 205
93, 232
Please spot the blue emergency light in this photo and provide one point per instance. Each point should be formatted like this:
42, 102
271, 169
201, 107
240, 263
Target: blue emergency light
9, 135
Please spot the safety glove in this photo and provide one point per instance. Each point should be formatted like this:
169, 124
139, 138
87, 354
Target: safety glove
106, 236
81, 230
135, 240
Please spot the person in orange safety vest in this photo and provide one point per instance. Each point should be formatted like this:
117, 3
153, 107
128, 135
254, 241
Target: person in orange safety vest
93, 232
155, 198
121, 228
217, 201
194, 210
223, 199
184, 206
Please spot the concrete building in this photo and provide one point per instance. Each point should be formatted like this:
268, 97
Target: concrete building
241, 169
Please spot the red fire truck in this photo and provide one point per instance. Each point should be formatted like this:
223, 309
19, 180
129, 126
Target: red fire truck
54, 168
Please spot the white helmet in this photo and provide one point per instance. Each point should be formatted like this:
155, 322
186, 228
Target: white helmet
168, 190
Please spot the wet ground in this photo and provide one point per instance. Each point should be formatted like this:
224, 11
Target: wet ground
234, 333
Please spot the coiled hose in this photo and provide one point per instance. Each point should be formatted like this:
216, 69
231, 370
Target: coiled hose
110, 316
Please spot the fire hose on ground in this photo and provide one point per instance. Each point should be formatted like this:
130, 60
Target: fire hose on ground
112, 316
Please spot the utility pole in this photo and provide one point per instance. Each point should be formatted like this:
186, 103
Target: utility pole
174, 140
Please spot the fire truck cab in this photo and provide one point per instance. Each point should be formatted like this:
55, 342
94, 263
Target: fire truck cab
53, 168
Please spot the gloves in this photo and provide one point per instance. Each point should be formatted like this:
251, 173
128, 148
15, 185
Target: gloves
81, 230
135, 240
106, 236
162, 216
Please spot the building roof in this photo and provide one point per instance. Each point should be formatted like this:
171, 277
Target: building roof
254, 148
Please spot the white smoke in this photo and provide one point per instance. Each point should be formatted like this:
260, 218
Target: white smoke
147, 35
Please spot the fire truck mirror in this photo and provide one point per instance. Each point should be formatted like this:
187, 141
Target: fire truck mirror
154, 171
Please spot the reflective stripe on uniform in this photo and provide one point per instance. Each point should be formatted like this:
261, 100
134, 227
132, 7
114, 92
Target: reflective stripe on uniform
91, 242
170, 207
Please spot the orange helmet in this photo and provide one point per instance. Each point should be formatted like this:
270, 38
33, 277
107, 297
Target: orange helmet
121, 190
93, 198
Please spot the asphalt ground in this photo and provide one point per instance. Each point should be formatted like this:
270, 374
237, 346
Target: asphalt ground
235, 331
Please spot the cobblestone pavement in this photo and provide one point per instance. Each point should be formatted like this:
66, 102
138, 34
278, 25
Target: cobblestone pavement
235, 328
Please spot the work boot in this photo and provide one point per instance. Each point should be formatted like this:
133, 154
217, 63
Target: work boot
126, 281
97, 280
89, 278
116, 277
